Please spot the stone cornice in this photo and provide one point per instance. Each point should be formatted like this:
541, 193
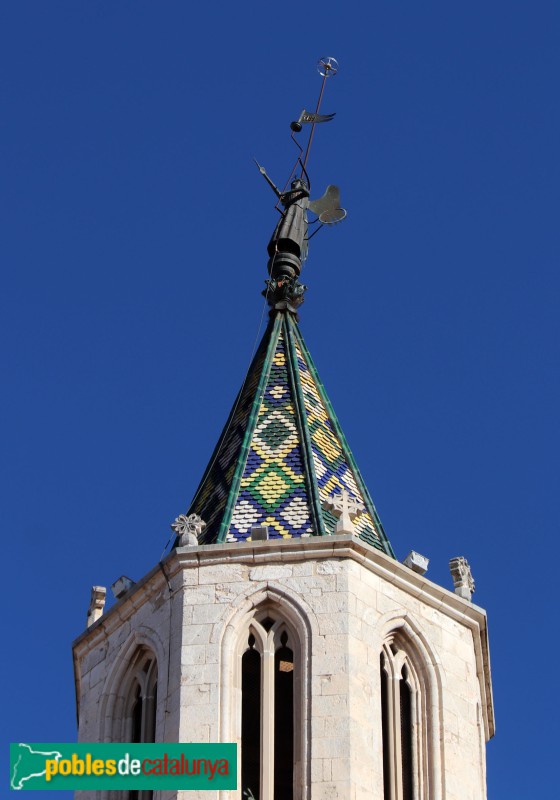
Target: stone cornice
342, 546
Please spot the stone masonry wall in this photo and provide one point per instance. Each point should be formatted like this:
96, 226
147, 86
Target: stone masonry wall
347, 605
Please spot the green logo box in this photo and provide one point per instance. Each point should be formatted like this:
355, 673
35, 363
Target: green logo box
123, 766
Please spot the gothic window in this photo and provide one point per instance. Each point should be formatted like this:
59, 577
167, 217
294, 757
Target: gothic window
139, 722
140, 709
404, 705
270, 708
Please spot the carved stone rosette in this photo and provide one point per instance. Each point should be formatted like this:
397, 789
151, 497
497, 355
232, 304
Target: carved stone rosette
188, 529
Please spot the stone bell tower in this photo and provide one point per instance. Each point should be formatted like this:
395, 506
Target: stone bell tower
281, 619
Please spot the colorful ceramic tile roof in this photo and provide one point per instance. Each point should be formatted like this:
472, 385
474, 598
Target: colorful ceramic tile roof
282, 453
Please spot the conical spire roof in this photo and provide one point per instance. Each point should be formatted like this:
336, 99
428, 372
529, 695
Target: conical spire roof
282, 453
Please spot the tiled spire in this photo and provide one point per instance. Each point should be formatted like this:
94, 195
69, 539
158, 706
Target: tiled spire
282, 461
282, 453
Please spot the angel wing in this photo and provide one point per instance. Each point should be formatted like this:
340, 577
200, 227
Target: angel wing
328, 207
330, 201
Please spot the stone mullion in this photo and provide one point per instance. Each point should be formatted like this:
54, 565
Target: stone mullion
395, 754
299, 729
267, 728
148, 723
417, 735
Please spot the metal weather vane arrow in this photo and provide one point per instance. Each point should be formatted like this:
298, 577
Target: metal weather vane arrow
306, 117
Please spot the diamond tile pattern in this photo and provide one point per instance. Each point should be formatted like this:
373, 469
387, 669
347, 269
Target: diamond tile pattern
273, 487
282, 453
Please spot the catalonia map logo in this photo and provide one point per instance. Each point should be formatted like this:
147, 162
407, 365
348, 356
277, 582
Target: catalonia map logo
123, 766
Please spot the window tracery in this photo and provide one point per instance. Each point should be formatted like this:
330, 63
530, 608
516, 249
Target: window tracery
270, 707
404, 723
137, 724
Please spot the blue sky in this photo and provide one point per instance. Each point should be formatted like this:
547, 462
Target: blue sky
133, 250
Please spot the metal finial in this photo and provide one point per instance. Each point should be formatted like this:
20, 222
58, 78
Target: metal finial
327, 66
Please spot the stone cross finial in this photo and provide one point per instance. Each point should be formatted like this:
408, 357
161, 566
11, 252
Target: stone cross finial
188, 529
463, 581
96, 604
346, 508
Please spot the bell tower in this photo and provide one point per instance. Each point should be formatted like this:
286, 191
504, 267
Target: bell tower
281, 619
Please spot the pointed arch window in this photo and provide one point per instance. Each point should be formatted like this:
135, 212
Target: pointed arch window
404, 705
140, 708
138, 723
271, 713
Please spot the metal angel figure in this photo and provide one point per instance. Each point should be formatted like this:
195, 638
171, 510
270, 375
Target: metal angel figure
288, 244
287, 247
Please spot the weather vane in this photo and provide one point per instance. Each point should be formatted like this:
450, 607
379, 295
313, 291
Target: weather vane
288, 246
